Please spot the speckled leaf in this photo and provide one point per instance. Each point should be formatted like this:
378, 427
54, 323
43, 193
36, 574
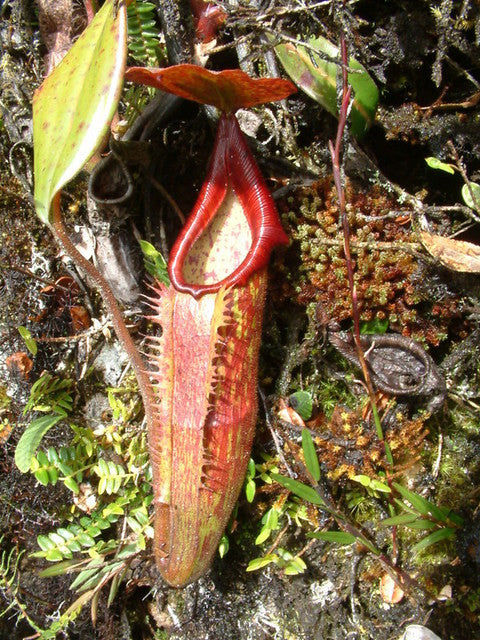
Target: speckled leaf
227, 90
318, 79
73, 107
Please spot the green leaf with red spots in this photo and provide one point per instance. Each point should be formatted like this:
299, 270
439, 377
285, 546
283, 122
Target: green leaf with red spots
73, 107
317, 77
227, 90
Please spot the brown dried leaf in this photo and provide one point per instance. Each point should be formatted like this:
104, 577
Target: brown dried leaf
80, 318
389, 590
19, 362
287, 414
55, 19
457, 255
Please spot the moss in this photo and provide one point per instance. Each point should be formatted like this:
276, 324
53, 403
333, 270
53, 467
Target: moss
387, 275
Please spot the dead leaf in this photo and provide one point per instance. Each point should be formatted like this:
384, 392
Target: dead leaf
63, 287
80, 318
389, 590
55, 20
287, 414
20, 363
457, 255
5, 431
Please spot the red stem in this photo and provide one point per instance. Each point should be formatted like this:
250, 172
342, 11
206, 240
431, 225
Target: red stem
121, 330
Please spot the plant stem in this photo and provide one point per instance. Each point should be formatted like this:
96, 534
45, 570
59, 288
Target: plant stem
118, 322
400, 577
335, 152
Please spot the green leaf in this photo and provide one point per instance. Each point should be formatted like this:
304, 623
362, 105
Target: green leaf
405, 507
375, 326
467, 198
453, 517
141, 516
74, 545
318, 79
45, 543
422, 505
102, 485
86, 540
423, 525
339, 537
437, 536
311, 458
270, 519
75, 104
60, 568
302, 402
361, 479
250, 489
295, 566
42, 476
149, 532
29, 341
134, 525
31, 438
403, 518
299, 489
154, 262
116, 582
70, 483
82, 577
258, 563
263, 535
380, 486
223, 546
54, 555
435, 163
126, 551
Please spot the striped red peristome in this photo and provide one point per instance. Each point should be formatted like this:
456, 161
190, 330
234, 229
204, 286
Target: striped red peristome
232, 165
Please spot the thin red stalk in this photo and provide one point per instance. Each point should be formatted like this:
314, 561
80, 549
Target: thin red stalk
336, 159
335, 152
118, 322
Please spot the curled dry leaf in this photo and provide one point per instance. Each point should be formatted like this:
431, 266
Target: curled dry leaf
287, 414
55, 20
398, 365
64, 287
457, 255
20, 363
389, 590
80, 318
445, 593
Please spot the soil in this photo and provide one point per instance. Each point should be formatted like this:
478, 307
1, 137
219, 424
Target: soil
424, 62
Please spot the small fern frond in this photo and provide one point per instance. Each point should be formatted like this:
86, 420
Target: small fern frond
9, 561
143, 33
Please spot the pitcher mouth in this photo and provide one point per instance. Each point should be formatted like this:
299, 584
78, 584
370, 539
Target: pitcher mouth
234, 224
222, 247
